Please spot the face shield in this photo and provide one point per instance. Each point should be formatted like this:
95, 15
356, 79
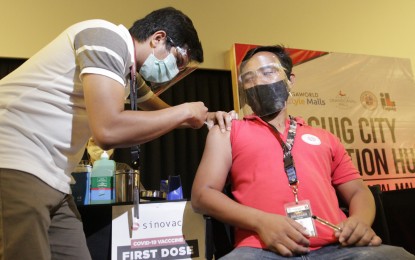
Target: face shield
266, 89
159, 88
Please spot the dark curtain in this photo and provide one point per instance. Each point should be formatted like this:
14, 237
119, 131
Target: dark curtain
400, 215
178, 152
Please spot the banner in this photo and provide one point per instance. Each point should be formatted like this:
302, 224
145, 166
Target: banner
366, 101
166, 230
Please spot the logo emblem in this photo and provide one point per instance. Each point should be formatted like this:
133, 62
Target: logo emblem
368, 100
311, 139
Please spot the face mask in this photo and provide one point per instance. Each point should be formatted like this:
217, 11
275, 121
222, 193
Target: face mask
267, 99
159, 71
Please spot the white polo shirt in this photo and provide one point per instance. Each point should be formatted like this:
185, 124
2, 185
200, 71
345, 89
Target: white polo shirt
43, 120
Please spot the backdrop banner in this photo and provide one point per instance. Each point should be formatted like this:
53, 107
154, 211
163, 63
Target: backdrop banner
366, 101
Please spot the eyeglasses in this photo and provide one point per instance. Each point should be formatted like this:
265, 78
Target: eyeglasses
265, 74
182, 59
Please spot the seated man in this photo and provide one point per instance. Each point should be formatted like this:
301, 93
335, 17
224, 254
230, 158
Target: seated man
276, 200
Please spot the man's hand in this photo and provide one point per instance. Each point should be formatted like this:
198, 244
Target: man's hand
223, 119
357, 233
283, 235
197, 112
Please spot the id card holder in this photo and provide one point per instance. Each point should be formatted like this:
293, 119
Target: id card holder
301, 212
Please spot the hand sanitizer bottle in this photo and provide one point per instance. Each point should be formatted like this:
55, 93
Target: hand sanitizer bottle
102, 180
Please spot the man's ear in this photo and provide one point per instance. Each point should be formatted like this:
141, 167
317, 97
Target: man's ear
292, 79
157, 38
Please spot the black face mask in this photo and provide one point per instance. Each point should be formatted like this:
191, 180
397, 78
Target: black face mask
267, 99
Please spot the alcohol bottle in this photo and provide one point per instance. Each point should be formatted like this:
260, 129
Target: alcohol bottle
102, 180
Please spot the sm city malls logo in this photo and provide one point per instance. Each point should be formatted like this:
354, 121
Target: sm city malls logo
369, 101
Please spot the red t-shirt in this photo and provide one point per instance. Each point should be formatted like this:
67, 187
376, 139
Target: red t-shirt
258, 178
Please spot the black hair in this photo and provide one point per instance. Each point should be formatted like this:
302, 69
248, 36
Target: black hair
278, 50
178, 26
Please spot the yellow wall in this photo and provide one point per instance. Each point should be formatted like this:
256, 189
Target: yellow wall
375, 27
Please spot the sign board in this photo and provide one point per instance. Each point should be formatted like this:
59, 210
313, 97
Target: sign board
366, 101
165, 230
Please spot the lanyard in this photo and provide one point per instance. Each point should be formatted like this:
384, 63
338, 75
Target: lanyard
133, 88
288, 159
133, 83
135, 150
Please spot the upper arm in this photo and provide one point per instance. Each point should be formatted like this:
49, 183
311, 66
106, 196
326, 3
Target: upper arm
104, 100
215, 163
103, 59
350, 189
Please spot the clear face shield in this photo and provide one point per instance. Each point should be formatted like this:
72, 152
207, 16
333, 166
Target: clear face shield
159, 88
265, 89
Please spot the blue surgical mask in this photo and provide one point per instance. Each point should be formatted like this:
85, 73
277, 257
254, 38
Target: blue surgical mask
159, 71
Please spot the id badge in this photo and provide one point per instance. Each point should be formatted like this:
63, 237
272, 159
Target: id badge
301, 212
